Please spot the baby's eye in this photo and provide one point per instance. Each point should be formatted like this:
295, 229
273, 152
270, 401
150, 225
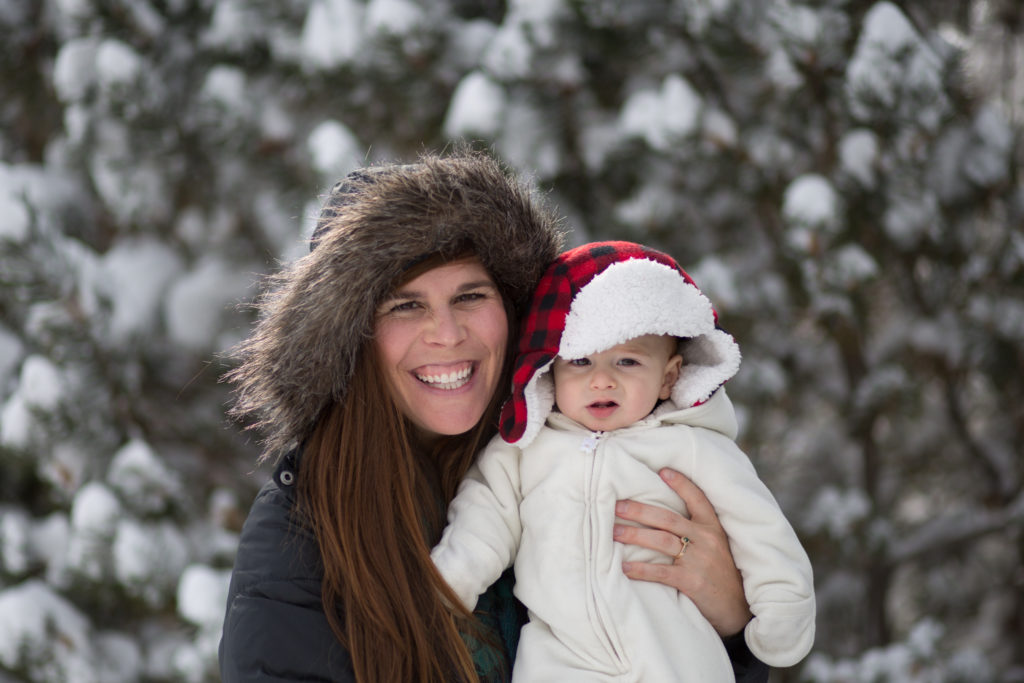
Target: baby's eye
579, 362
629, 362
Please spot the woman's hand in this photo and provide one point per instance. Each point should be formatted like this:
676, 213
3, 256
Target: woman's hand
704, 571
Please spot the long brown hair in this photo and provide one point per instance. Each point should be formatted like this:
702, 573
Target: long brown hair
372, 499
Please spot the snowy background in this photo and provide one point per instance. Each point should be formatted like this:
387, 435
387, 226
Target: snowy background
842, 177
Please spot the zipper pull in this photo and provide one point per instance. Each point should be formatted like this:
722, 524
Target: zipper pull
589, 444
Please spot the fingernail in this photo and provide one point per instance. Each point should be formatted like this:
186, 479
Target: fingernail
617, 531
667, 475
626, 566
621, 506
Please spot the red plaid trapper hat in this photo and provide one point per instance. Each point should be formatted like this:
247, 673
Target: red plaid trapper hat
601, 294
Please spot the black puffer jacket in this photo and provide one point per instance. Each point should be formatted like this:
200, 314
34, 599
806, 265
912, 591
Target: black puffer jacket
275, 628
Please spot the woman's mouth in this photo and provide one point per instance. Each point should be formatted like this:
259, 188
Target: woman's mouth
448, 379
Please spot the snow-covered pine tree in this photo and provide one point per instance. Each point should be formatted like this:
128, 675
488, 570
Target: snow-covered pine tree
843, 178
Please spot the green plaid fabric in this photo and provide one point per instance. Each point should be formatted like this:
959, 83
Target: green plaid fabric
500, 617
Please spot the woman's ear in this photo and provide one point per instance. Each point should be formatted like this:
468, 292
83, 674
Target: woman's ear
672, 368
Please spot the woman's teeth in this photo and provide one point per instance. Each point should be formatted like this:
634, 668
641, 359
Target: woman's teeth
447, 380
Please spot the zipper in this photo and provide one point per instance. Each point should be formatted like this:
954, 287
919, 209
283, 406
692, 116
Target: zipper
597, 610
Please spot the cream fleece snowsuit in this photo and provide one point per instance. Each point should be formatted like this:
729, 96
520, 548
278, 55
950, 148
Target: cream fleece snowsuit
550, 509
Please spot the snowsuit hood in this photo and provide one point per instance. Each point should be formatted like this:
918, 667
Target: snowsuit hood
318, 312
601, 294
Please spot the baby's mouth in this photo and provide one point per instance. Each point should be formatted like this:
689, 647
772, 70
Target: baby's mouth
452, 379
603, 404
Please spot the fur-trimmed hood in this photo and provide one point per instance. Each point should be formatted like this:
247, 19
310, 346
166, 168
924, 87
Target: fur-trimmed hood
317, 313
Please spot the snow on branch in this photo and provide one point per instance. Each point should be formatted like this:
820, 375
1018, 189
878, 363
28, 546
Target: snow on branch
953, 529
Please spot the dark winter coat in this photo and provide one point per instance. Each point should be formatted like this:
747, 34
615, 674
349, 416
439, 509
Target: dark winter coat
275, 628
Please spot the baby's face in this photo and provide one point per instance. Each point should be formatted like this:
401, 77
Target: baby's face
616, 387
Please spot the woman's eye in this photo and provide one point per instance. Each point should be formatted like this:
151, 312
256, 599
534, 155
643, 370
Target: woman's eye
401, 307
470, 297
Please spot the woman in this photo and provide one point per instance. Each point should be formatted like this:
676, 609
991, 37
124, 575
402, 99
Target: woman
375, 373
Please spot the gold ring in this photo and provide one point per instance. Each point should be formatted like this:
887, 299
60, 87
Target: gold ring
683, 542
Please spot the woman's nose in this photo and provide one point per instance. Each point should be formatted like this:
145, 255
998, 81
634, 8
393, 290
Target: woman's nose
444, 328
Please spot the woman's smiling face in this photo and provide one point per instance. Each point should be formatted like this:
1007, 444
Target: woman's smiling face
441, 338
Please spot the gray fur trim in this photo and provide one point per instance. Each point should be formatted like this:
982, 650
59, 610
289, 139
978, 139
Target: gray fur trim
318, 311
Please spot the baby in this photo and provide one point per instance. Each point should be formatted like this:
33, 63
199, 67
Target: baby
619, 374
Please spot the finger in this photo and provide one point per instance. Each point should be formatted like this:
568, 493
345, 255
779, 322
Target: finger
669, 574
651, 516
645, 571
698, 505
664, 542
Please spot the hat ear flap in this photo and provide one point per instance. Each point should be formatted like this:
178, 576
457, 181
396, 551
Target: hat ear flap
709, 360
538, 345
533, 395
540, 399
